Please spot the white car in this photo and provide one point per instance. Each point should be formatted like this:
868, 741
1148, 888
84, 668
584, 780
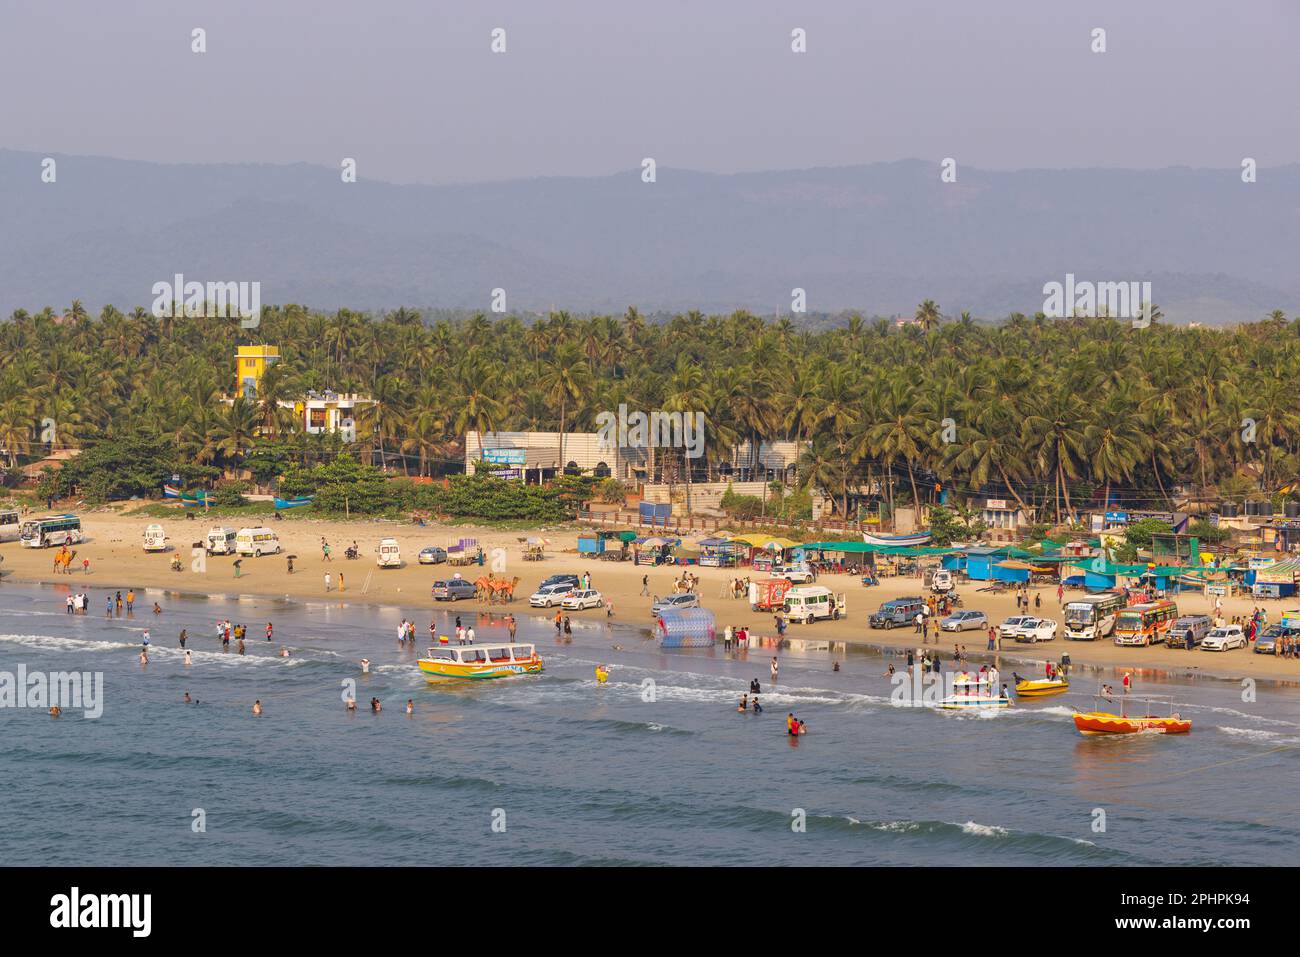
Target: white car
1224, 638
549, 595
1034, 630
578, 600
1011, 627
795, 574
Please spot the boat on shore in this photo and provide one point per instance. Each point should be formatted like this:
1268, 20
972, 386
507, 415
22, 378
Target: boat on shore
480, 661
1125, 720
1041, 687
902, 541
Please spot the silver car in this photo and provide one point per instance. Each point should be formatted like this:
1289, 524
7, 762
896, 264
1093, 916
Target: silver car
661, 605
453, 588
963, 620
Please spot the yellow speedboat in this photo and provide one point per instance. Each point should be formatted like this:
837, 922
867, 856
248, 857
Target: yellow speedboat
1040, 687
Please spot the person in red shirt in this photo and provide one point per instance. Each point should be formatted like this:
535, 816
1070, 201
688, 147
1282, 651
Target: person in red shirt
1128, 682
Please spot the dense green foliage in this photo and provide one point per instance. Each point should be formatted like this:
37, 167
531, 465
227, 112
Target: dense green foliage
1049, 411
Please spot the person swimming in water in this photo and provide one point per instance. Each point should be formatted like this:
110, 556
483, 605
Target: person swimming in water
365, 666
758, 708
257, 706
374, 705
55, 711
410, 706
352, 704
188, 662
284, 652
188, 699
753, 686
744, 703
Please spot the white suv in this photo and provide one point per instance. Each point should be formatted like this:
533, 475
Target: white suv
549, 595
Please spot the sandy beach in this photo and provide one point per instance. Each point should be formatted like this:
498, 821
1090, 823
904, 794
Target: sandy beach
118, 561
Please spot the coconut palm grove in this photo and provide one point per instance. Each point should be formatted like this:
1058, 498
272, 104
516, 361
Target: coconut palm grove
1046, 412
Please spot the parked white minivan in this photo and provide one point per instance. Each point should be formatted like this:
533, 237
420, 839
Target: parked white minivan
221, 541
155, 539
388, 555
257, 542
807, 603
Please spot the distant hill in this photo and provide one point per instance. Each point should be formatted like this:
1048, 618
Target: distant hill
878, 238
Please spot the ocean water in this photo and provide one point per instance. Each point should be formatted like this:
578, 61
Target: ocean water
581, 773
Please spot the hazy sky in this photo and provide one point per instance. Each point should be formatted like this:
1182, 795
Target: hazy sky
411, 89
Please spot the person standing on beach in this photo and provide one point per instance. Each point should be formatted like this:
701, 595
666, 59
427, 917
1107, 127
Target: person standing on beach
327, 582
130, 601
568, 627
184, 635
324, 550
645, 584
993, 634
1060, 594
511, 626
469, 635
1128, 681
726, 638
268, 631
775, 667
241, 645
559, 623
340, 581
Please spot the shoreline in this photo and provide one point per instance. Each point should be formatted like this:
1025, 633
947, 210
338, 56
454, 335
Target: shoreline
118, 562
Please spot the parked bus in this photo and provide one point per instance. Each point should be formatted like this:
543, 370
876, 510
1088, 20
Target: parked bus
10, 523
51, 530
1146, 624
1092, 616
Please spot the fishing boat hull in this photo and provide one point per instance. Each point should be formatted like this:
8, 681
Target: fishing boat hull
1041, 688
905, 541
974, 702
1093, 723
435, 670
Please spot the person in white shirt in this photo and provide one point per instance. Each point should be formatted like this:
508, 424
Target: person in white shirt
469, 634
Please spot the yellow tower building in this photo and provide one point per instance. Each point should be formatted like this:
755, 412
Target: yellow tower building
251, 363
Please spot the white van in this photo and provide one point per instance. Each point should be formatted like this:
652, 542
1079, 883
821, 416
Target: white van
941, 581
257, 542
805, 603
387, 555
221, 541
155, 539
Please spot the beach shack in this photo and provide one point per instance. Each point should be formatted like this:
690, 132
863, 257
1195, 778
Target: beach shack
1277, 580
765, 552
686, 628
721, 552
981, 560
591, 543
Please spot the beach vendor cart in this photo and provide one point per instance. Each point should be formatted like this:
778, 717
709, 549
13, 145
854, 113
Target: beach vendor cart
768, 594
535, 548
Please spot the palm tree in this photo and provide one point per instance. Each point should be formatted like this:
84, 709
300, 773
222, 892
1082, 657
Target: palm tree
927, 315
567, 381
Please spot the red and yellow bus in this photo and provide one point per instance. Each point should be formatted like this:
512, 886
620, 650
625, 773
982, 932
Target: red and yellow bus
1145, 624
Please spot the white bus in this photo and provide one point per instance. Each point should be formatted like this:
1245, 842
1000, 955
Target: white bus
1092, 616
51, 530
10, 523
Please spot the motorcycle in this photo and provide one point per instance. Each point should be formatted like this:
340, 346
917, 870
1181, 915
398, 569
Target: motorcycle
352, 552
176, 564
